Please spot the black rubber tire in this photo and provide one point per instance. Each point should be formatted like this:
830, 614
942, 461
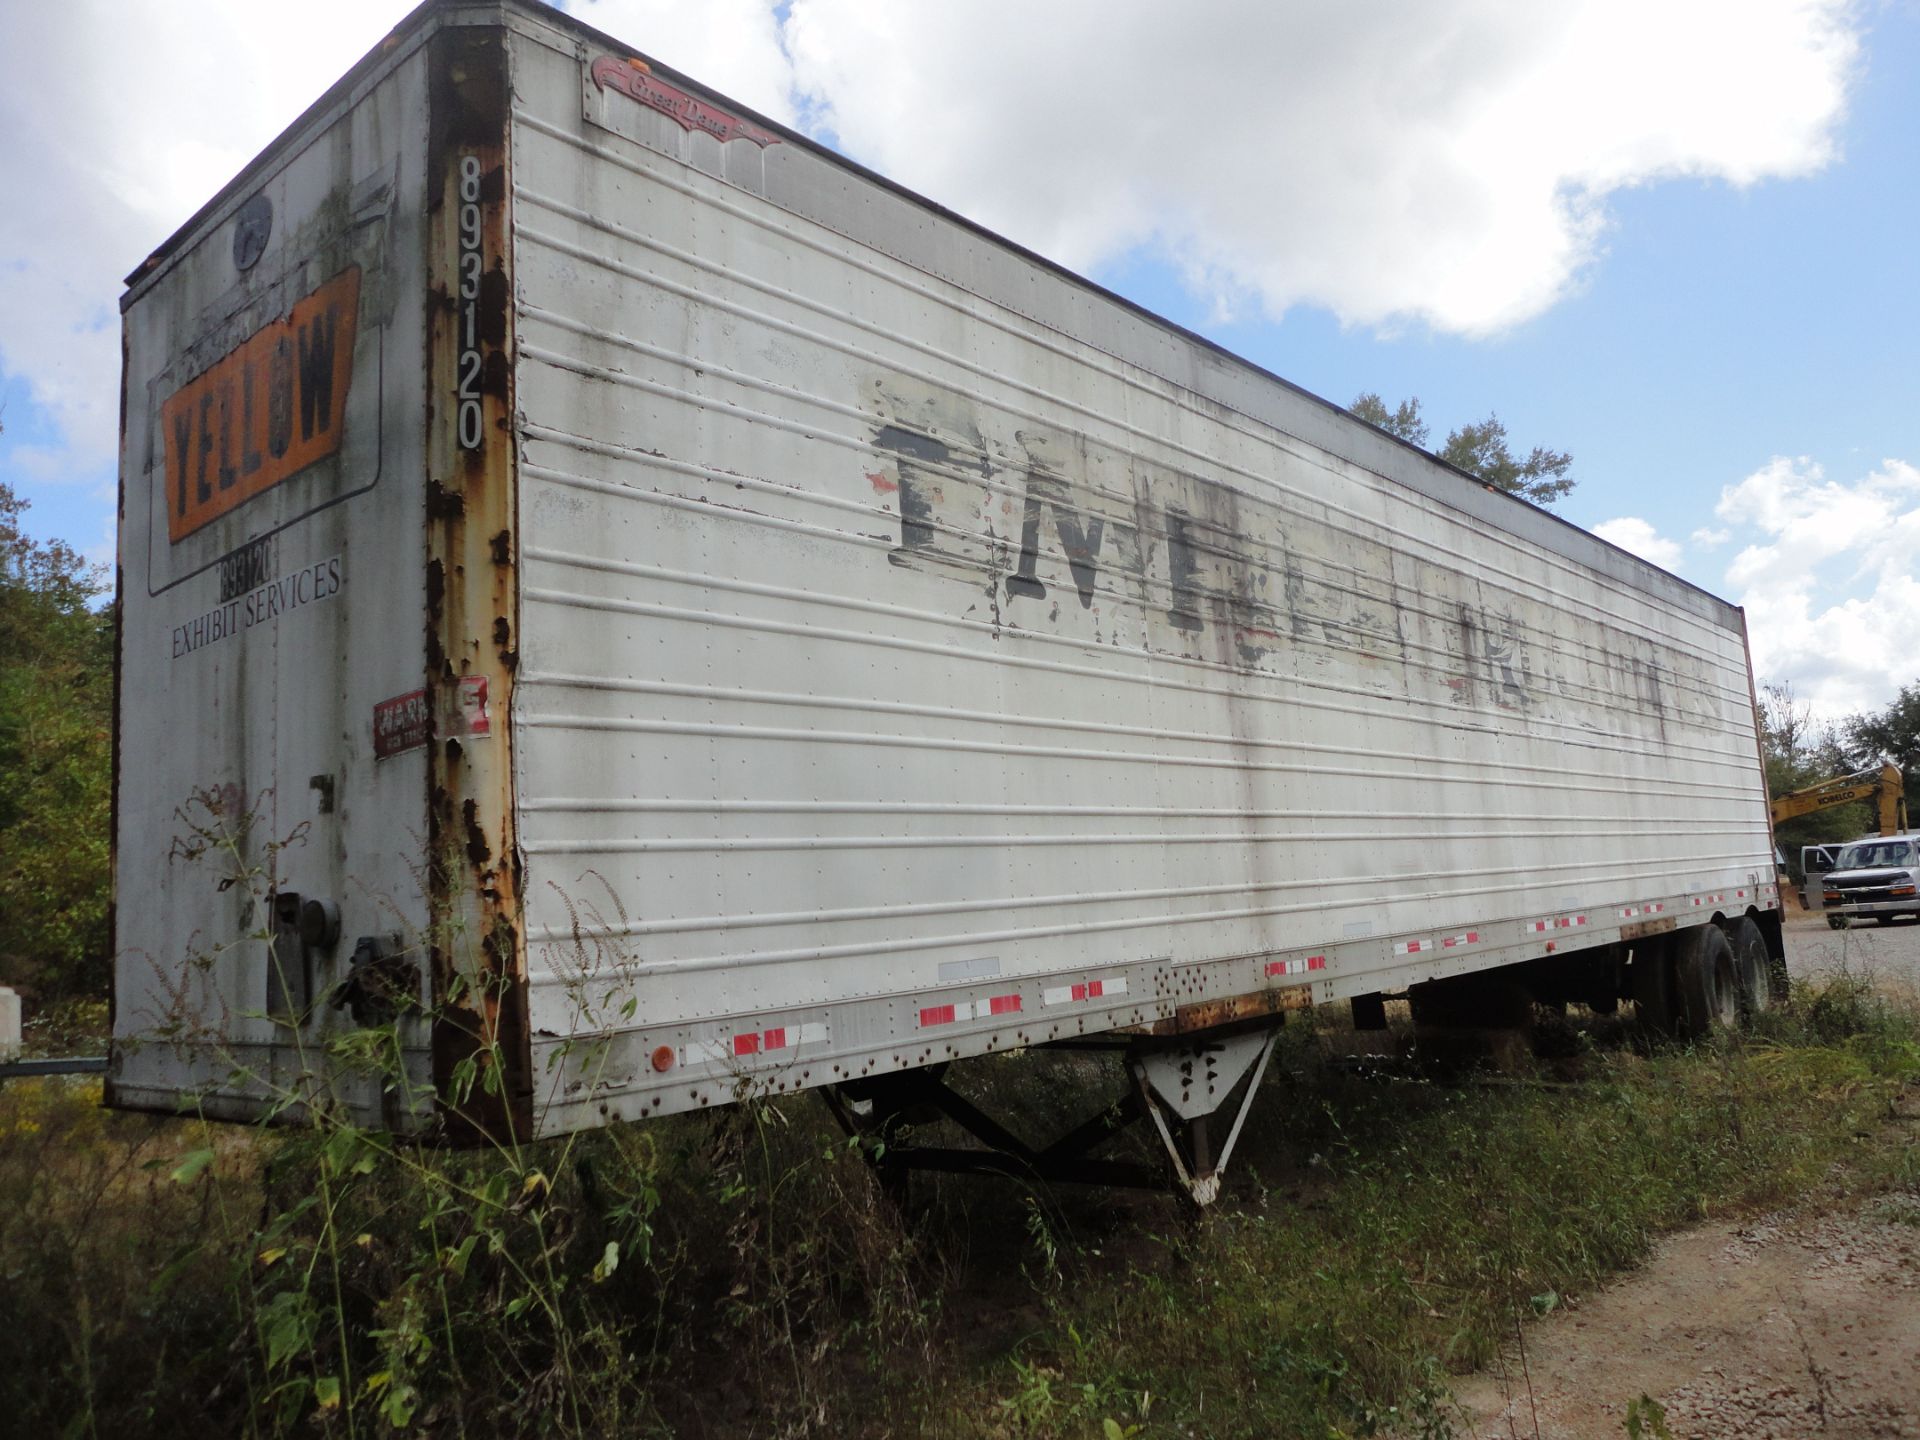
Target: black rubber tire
1752, 967
1706, 982
1650, 978
1836, 922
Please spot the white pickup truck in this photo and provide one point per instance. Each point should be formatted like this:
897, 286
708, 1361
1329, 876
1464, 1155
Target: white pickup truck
1878, 878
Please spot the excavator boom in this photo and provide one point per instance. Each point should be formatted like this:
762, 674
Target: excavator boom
1884, 786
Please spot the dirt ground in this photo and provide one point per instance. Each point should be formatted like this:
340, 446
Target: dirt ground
1798, 1324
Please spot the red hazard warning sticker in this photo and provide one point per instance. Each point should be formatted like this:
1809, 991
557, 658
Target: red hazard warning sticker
405, 722
402, 723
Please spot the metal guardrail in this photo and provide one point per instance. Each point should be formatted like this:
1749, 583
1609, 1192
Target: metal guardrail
61, 1065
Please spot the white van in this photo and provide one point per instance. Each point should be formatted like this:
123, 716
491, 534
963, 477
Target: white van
1878, 877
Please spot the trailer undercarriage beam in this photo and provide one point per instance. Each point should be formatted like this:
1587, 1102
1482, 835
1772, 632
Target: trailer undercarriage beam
1178, 1086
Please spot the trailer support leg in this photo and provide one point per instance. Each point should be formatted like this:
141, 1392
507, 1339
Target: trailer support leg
1188, 1085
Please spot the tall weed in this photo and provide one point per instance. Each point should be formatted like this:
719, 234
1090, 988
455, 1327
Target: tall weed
740, 1272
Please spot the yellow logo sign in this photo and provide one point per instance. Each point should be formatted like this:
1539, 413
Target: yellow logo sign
265, 412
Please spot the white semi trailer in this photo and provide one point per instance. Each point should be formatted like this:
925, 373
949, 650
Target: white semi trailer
650, 611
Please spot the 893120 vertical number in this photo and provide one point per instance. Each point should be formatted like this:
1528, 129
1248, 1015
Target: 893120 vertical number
468, 417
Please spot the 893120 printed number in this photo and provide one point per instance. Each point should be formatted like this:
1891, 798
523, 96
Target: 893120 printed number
469, 419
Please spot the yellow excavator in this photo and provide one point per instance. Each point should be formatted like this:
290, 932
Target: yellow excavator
1884, 787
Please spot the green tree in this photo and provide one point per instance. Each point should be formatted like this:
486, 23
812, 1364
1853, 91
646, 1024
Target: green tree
1405, 421
1891, 734
1800, 750
1480, 449
56, 696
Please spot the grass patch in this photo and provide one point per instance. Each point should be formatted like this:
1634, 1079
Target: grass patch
738, 1273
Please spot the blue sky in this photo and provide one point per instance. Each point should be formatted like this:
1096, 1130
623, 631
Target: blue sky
1680, 248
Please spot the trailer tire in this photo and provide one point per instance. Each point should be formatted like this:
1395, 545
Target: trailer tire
1650, 978
1752, 966
1706, 982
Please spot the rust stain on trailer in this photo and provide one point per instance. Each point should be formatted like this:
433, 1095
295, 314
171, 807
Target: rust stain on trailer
1207, 1014
482, 1057
1647, 927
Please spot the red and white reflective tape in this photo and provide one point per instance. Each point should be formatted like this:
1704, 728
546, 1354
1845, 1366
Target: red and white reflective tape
1707, 899
1083, 991
751, 1042
1465, 937
1558, 922
1627, 912
1296, 967
958, 1010
1413, 947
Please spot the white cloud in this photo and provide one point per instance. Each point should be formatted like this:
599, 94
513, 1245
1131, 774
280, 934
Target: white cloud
1708, 538
120, 121
1630, 532
1436, 161
1828, 579
1440, 161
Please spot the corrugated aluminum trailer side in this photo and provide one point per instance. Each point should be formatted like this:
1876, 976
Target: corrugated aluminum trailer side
851, 643
924, 653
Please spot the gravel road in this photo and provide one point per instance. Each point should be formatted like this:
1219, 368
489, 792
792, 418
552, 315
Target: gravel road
1891, 953
1785, 1326
1792, 1325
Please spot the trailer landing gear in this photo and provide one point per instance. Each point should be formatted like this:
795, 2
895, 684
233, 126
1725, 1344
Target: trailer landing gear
1180, 1084
1189, 1085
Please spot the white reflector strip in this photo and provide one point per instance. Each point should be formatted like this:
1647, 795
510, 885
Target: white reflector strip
729, 1048
1468, 937
1560, 922
1413, 947
1298, 966
1083, 991
959, 1010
